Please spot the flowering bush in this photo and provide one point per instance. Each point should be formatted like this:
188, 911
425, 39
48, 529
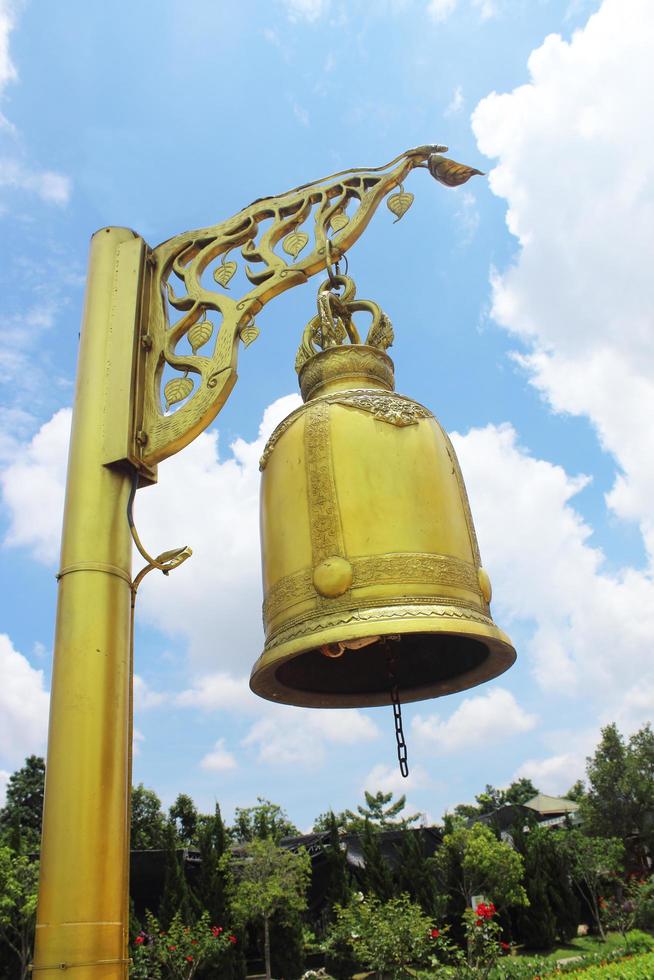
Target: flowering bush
483, 939
622, 911
387, 937
177, 953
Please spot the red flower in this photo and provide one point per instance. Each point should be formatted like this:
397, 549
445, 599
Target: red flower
216, 930
479, 922
232, 939
189, 959
194, 942
172, 948
435, 934
505, 946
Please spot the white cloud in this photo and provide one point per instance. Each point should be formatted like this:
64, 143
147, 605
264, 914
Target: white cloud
300, 113
7, 69
212, 504
53, 188
145, 697
23, 706
592, 628
4, 779
440, 10
220, 691
456, 103
389, 779
580, 194
33, 489
300, 735
491, 718
219, 759
467, 217
307, 10
555, 774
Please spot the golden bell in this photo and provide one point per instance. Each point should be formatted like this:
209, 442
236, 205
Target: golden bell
371, 570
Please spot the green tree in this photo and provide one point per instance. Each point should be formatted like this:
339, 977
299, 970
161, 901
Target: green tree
269, 880
593, 861
377, 877
380, 813
176, 897
536, 922
184, 817
620, 798
338, 888
265, 821
517, 793
21, 816
576, 792
325, 821
210, 888
148, 821
414, 875
18, 889
475, 862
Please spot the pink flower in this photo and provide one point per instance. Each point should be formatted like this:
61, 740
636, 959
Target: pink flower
232, 939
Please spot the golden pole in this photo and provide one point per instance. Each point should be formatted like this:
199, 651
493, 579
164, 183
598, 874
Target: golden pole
82, 915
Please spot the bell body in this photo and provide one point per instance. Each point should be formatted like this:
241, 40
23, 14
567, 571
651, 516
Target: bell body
371, 570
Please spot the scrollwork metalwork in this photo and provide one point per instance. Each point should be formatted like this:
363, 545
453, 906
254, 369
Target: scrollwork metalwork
278, 254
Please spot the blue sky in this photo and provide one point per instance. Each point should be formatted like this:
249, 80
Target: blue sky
522, 306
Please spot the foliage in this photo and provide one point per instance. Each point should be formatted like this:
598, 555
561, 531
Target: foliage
210, 888
22, 814
620, 912
553, 907
620, 795
269, 880
636, 968
178, 953
184, 817
483, 944
148, 821
475, 862
265, 821
576, 792
18, 888
376, 875
176, 898
388, 936
415, 876
517, 793
380, 813
338, 889
592, 861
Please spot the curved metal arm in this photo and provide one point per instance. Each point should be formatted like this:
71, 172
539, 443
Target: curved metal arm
270, 236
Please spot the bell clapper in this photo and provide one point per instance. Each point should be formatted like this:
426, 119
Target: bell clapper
397, 706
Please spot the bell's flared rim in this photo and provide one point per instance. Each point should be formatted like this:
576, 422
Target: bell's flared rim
484, 650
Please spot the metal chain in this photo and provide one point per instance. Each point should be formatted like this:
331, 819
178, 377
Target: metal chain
397, 712
399, 731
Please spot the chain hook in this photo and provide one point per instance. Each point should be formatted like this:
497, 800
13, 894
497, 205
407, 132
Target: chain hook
335, 265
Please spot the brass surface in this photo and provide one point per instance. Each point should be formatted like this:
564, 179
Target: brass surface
83, 911
367, 534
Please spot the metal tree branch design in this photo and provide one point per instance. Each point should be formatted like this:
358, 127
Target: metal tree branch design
190, 274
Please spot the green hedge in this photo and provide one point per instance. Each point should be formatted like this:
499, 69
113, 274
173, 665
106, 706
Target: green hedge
633, 968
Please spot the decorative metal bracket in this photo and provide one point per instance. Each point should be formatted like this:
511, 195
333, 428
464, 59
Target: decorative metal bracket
186, 310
